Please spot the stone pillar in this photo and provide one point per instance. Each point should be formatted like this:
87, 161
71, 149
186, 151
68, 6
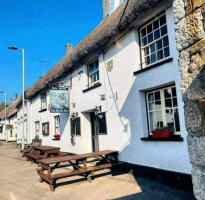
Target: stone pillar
190, 36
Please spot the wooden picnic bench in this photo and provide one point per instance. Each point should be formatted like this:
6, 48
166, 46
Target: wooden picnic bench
79, 164
30, 146
41, 152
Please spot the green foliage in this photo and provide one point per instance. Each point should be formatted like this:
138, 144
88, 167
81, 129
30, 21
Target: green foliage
162, 128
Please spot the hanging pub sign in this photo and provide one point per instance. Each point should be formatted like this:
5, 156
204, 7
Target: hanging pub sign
59, 100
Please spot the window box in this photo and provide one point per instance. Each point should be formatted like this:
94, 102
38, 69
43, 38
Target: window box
57, 136
162, 134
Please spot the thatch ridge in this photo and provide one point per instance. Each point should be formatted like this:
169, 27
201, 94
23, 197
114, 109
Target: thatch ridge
97, 39
10, 110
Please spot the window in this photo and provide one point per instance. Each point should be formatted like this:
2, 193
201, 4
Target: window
43, 100
37, 128
93, 72
75, 126
163, 109
57, 125
154, 41
45, 128
102, 123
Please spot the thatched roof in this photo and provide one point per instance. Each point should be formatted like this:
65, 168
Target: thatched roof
10, 110
97, 39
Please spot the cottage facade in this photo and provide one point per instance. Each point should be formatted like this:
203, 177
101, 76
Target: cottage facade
8, 130
123, 82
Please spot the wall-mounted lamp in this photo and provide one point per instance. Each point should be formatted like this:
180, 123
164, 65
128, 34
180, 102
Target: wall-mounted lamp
97, 110
74, 115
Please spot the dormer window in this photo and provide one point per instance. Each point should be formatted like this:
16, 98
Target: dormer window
43, 101
154, 41
93, 72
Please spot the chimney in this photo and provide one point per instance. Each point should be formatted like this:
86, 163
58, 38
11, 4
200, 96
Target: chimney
109, 6
68, 48
106, 7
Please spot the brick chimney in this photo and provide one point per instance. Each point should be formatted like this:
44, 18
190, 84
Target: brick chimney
68, 48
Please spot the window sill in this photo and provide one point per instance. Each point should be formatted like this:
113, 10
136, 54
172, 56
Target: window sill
43, 110
175, 138
93, 87
154, 65
55, 139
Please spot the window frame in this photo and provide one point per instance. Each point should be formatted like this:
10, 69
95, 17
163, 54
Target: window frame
92, 84
142, 54
43, 132
55, 125
37, 122
163, 108
103, 113
75, 127
43, 100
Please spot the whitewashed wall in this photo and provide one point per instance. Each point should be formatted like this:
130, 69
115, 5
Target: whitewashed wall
124, 106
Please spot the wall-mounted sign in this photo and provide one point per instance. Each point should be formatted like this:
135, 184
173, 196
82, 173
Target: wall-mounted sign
110, 65
59, 100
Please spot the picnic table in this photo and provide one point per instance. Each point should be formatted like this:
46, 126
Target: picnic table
41, 152
79, 164
30, 146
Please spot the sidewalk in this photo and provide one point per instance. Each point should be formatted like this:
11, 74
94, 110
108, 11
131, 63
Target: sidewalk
19, 181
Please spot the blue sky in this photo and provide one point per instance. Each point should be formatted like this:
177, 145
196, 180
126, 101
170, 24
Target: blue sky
42, 28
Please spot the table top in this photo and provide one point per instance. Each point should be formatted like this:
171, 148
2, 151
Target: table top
46, 148
76, 157
33, 145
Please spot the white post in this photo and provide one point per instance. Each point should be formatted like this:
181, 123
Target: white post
23, 88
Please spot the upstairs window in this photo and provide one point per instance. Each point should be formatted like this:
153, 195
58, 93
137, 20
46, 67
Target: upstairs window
154, 41
57, 125
162, 109
43, 101
93, 72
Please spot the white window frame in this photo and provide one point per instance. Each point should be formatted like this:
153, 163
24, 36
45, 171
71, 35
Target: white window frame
95, 72
37, 128
43, 100
57, 125
163, 108
148, 45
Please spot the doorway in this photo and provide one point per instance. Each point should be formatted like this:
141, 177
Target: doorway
94, 132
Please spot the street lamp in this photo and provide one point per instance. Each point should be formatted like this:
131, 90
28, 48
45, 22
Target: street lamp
5, 113
23, 89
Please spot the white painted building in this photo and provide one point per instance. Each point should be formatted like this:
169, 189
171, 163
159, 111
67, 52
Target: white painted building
136, 83
8, 130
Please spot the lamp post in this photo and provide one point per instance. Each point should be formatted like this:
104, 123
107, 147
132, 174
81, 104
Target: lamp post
5, 112
23, 89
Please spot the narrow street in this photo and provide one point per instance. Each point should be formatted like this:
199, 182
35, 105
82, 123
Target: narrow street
19, 181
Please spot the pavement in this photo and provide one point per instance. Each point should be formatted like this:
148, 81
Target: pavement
19, 181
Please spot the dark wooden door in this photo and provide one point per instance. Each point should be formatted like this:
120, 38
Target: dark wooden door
94, 130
